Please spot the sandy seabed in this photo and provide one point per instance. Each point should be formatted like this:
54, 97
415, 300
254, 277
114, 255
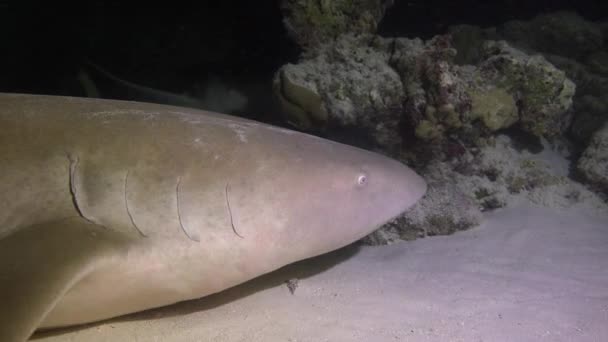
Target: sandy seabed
526, 274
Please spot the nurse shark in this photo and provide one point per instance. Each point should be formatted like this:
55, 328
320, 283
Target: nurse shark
111, 207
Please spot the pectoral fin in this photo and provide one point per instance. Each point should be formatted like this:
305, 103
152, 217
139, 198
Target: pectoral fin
40, 263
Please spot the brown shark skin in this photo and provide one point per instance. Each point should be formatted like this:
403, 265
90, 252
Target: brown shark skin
181, 203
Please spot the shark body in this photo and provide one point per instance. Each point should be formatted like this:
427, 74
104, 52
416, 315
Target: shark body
112, 207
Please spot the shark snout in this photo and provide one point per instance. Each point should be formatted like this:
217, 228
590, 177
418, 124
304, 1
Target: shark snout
403, 187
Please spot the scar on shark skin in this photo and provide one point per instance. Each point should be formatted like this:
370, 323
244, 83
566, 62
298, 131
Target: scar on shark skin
230, 213
179, 216
72, 179
129, 211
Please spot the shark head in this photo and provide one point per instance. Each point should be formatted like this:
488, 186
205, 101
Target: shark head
315, 195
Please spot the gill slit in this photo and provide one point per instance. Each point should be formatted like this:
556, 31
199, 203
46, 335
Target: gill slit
230, 213
73, 191
127, 207
179, 216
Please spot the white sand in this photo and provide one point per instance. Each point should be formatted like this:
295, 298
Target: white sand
527, 274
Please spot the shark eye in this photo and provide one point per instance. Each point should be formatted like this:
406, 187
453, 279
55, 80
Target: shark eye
362, 179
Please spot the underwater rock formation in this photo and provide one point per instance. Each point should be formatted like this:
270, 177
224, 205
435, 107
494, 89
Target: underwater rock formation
381, 85
567, 41
508, 170
590, 102
348, 85
435, 89
311, 23
577, 47
591, 113
593, 164
561, 33
543, 92
445, 209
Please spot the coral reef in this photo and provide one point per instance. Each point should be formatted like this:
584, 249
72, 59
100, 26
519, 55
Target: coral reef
496, 108
435, 89
543, 92
577, 47
383, 85
591, 113
445, 209
501, 174
590, 102
348, 85
593, 164
312, 22
567, 41
561, 33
